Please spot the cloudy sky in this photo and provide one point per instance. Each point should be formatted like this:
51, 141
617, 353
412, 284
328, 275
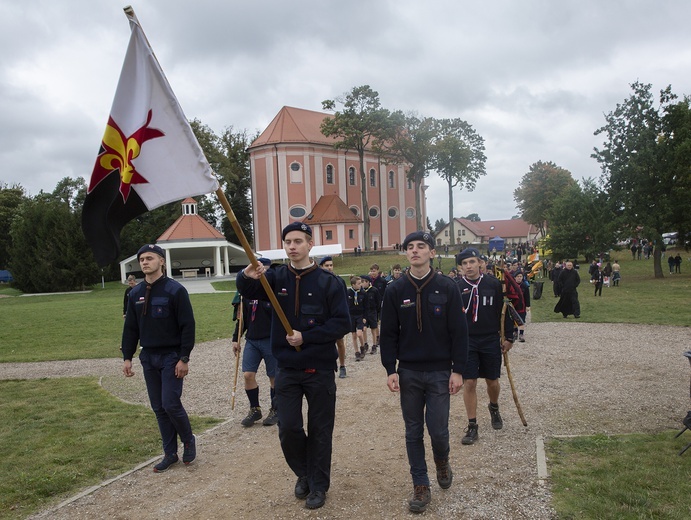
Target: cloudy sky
533, 77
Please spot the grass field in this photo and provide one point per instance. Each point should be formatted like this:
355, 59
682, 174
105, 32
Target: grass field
62, 435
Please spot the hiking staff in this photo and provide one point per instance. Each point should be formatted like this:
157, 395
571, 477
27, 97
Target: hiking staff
508, 367
248, 250
237, 356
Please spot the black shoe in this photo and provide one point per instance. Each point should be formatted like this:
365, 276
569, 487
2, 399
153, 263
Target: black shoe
358, 356
252, 417
190, 452
167, 462
470, 434
315, 499
374, 349
497, 423
302, 488
342, 373
577, 316
444, 473
521, 338
272, 418
686, 421
421, 497
364, 349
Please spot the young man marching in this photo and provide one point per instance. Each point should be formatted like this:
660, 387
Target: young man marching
421, 333
482, 305
159, 317
327, 263
315, 306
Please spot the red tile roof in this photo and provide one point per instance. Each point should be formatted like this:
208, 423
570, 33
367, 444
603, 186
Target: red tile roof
330, 209
294, 125
191, 227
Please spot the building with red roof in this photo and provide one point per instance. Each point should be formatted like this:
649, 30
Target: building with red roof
298, 175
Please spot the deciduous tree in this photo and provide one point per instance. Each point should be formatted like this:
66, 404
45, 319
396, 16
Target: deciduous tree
459, 158
358, 126
537, 191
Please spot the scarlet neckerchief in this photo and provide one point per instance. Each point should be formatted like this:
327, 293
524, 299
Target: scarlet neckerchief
419, 292
298, 275
474, 301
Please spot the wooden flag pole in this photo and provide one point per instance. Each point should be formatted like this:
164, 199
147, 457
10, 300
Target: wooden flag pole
237, 356
248, 250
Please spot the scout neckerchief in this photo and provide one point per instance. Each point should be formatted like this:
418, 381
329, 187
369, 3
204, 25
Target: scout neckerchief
419, 292
474, 301
299, 275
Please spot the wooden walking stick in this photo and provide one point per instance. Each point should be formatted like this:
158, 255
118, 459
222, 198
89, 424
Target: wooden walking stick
508, 367
237, 356
248, 250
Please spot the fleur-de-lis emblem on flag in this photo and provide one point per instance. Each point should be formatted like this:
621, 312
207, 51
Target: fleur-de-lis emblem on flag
118, 153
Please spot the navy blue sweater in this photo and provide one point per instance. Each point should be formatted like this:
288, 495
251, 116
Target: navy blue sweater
442, 344
169, 321
322, 317
491, 301
256, 319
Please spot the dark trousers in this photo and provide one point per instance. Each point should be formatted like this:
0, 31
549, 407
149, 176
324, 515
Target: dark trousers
165, 391
598, 288
425, 400
307, 453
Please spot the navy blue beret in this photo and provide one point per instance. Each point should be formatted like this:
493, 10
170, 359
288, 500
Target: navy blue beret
325, 259
423, 236
151, 248
468, 252
296, 226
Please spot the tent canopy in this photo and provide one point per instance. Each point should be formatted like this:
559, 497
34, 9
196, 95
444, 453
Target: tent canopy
496, 243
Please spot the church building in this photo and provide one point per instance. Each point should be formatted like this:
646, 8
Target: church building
298, 175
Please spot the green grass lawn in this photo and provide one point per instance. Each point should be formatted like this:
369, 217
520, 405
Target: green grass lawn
63, 435
621, 477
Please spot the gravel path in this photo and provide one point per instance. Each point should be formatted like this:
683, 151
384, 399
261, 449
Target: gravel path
572, 378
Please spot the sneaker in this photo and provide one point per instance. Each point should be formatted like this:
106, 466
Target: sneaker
302, 488
363, 349
252, 417
167, 462
190, 451
315, 499
358, 356
521, 338
272, 418
444, 473
421, 497
374, 349
497, 423
470, 434
342, 372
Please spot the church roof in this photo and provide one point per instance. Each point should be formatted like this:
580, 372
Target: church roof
294, 125
330, 209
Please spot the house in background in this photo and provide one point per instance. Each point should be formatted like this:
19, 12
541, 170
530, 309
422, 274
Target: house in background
193, 248
513, 231
298, 175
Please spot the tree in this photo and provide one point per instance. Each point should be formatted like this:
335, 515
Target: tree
473, 217
412, 144
11, 197
676, 140
227, 154
459, 158
581, 222
538, 189
359, 126
49, 251
639, 167
438, 225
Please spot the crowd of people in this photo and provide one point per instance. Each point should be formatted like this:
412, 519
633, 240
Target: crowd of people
296, 318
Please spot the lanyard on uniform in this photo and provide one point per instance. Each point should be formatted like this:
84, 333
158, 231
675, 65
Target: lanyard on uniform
474, 301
